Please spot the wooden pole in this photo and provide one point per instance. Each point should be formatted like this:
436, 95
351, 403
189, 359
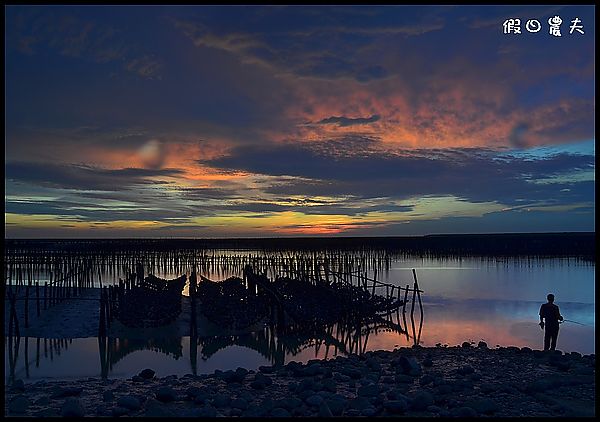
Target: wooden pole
37, 298
102, 326
418, 293
27, 304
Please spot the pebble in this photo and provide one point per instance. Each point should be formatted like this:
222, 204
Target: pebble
315, 400
486, 406
463, 412
119, 411
421, 400
369, 390
324, 411
62, 392
396, 407
129, 402
147, 374
279, 412
72, 407
18, 385
108, 395
465, 370
221, 400
337, 406
408, 365
239, 403
42, 401
166, 394
368, 412
207, 411
18, 404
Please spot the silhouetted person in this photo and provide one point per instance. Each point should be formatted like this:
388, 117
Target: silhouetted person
549, 317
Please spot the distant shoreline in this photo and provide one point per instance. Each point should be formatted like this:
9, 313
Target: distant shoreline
568, 244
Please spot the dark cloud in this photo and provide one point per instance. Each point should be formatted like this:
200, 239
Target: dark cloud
349, 121
73, 33
81, 177
372, 173
318, 42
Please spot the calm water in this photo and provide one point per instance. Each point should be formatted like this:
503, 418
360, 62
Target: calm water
465, 299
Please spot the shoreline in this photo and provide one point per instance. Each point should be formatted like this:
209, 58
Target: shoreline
412, 381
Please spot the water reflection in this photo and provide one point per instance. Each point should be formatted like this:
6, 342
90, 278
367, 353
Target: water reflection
271, 345
447, 321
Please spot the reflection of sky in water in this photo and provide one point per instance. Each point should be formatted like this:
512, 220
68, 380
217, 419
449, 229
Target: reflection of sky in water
466, 299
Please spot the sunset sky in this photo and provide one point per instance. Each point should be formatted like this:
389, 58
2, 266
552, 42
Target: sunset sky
199, 121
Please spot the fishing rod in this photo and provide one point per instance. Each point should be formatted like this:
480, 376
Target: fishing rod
574, 322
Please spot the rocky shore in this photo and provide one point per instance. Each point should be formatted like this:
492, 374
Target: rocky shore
458, 381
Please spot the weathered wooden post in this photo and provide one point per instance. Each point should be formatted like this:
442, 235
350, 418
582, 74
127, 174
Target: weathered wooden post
27, 304
108, 306
37, 298
418, 292
102, 325
37, 354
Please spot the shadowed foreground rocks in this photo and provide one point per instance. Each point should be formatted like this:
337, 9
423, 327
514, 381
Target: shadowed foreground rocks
457, 381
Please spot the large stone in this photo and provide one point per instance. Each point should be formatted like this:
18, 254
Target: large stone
279, 412
258, 385
239, 403
166, 394
353, 373
263, 378
72, 407
559, 362
368, 412
221, 400
408, 365
42, 401
426, 379
206, 411
18, 385
486, 406
108, 395
129, 402
421, 400
267, 369
359, 403
465, 370
404, 379
329, 385
156, 409
18, 405
291, 403
396, 407
324, 411
463, 412
312, 370
147, 374
315, 400
369, 390
337, 406
306, 384
119, 411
